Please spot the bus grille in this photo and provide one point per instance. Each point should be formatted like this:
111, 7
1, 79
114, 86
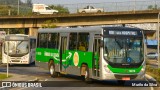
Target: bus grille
121, 76
15, 59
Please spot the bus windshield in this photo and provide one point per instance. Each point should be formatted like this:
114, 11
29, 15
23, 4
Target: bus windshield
17, 47
123, 50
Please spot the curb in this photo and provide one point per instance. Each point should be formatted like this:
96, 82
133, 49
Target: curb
149, 78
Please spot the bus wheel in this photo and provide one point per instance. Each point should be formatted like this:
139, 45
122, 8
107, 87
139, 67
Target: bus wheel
86, 76
10, 65
52, 71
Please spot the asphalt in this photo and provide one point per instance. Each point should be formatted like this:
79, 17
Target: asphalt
27, 78
19, 77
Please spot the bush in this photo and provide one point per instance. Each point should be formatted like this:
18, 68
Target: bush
154, 72
4, 76
158, 71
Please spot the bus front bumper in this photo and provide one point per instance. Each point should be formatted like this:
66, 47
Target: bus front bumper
117, 76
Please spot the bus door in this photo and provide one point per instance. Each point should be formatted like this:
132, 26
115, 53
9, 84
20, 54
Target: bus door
63, 53
32, 50
96, 56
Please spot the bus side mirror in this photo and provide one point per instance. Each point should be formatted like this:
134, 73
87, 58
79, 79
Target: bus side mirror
101, 43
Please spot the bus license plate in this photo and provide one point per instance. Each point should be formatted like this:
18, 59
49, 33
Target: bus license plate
126, 78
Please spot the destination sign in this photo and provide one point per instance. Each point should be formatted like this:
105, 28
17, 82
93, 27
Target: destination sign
16, 38
112, 32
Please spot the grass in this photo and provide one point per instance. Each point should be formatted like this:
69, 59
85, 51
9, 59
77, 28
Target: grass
154, 72
4, 76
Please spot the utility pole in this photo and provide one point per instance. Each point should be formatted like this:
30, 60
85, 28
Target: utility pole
7, 55
158, 40
134, 6
18, 8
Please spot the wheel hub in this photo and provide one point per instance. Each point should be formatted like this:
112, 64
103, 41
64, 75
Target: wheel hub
51, 70
86, 74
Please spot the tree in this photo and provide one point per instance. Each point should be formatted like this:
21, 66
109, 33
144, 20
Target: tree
153, 7
29, 3
5, 10
10, 7
60, 8
49, 24
10, 2
14, 31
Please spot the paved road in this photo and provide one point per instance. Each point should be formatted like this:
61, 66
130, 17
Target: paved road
153, 63
43, 75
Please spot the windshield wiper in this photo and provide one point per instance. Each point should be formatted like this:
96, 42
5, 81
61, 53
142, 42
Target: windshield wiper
118, 44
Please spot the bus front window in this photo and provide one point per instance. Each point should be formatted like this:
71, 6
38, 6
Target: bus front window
123, 50
17, 47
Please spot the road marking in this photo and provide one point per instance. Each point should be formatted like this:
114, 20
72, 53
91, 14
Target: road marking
150, 87
1, 87
22, 88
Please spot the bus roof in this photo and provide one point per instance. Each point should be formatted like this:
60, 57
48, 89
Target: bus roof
122, 28
21, 35
84, 29
7, 37
17, 35
79, 29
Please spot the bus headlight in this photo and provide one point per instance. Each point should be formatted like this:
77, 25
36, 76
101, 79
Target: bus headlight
25, 58
143, 69
4, 56
107, 69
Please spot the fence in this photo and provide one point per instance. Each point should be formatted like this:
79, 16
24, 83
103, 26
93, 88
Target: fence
133, 5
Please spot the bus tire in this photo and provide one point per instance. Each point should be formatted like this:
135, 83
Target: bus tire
52, 71
10, 65
87, 76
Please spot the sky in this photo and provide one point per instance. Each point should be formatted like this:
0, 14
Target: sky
74, 1
69, 1
122, 5
49, 2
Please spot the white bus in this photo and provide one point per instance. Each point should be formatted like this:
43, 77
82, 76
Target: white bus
18, 49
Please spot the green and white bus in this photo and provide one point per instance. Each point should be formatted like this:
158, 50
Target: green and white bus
18, 49
102, 53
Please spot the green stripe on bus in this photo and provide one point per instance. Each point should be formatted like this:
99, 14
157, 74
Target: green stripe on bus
125, 70
69, 57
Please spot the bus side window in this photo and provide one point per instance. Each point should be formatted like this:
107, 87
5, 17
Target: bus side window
32, 43
53, 40
38, 41
73, 41
57, 40
43, 40
82, 46
83, 39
